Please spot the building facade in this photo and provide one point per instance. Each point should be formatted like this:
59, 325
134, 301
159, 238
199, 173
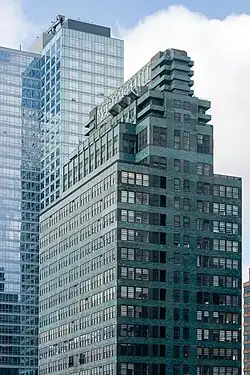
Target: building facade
81, 64
246, 326
45, 99
19, 210
140, 258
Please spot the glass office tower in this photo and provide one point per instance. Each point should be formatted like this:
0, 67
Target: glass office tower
44, 101
140, 258
19, 209
81, 64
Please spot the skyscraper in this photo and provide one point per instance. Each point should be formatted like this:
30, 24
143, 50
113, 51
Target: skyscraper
246, 366
140, 258
44, 102
19, 210
81, 64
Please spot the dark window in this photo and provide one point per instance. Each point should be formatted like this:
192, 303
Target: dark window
177, 165
177, 139
163, 201
185, 296
176, 333
176, 314
186, 351
163, 182
142, 139
186, 315
129, 144
159, 136
186, 186
186, 278
177, 295
186, 117
186, 333
177, 277
176, 351
177, 240
163, 220
176, 370
186, 166
162, 238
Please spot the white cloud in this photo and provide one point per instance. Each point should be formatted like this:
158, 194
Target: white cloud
221, 53
15, 29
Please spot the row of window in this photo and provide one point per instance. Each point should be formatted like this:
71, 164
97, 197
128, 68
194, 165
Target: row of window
78, 202
132, 178
218, 335
88, 213
89, 248
218, 353
220, 317
74, 325
215, 280
82, 305
79, 254
63, 365
85, 232
216, 262
84, 286
218, 299
137, 330
142, 274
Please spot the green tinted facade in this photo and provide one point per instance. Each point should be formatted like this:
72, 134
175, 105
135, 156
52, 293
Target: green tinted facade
141, 257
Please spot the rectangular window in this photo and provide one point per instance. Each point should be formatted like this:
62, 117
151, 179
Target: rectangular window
177, 139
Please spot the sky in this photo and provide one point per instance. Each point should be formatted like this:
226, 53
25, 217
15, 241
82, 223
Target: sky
215, 34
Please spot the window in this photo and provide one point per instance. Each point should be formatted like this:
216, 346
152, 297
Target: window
186, 186
159, 136
177, 203
186, 106
186, 141
177, 184
177, 104
177, 116
199, 168
142, 139
177, 221
186, 166
203, 144
186, 222
177, 139
132, 178
177, 165
186, 117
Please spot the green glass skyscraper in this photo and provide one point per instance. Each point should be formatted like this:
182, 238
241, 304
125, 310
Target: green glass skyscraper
140, 259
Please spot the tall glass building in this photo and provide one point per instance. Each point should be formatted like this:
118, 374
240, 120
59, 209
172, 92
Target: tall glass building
81, 64
45, 99
19, 210
140, 258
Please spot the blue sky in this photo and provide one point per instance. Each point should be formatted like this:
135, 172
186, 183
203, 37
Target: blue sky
126, 12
